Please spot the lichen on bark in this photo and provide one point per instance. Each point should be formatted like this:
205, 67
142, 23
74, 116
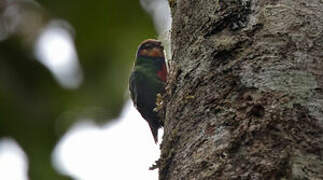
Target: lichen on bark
245, 91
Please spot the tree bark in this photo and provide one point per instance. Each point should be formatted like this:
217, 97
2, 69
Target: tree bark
245, 90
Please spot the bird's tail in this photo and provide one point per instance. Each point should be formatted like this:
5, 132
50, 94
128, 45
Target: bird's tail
154, 131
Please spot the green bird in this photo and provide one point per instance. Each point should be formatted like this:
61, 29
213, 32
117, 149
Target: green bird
148, 79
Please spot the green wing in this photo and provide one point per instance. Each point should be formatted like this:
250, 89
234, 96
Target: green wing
144, 88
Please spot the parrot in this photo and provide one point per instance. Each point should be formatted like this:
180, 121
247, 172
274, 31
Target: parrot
147, 80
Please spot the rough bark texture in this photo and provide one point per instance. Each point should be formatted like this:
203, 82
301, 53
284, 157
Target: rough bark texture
245, 92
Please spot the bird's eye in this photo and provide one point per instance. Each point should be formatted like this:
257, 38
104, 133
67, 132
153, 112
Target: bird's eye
147, 46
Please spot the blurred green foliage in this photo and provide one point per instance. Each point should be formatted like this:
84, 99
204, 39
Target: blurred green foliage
34, 109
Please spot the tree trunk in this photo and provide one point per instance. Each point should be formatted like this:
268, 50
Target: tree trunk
245, 90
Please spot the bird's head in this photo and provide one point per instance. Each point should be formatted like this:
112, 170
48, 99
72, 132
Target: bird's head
151, 48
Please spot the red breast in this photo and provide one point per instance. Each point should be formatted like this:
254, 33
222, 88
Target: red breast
162, 74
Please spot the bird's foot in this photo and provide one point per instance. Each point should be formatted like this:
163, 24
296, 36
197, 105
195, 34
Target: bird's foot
159, 102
